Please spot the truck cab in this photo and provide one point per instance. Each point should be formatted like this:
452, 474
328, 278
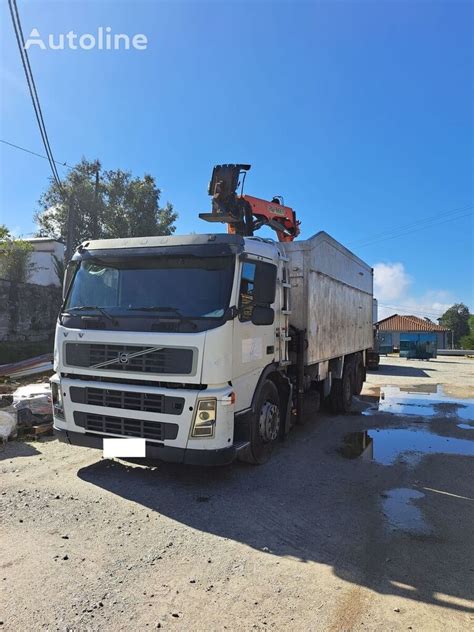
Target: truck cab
182, 341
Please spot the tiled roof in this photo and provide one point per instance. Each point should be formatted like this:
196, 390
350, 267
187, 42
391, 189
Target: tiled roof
408, 323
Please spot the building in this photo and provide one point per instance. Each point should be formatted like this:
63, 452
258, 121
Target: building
28, 310
46, 251
390, 330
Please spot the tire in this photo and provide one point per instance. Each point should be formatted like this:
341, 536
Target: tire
266, 426
341, 391
359, 376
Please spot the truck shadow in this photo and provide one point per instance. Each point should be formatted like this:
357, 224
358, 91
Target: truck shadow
310, 504
403, 371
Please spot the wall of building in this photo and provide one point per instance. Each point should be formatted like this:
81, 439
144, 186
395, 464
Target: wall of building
442, 340
28, 312
42, 260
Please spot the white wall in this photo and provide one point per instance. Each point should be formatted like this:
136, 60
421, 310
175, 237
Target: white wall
43, 272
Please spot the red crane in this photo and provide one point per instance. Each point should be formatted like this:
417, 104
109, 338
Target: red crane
244, 214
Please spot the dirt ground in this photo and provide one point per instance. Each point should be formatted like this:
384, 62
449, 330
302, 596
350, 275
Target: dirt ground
310, 541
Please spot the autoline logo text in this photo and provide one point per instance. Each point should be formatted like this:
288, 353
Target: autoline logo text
103, 39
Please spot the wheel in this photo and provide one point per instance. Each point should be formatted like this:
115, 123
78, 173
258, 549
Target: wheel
341, 391
266, 425
359, 376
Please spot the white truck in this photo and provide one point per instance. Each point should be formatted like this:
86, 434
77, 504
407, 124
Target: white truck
208, 346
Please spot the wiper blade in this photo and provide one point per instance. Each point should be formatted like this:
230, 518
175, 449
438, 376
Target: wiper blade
156, 308
167, 309
81, 308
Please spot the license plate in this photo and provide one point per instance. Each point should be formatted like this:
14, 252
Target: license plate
124, 448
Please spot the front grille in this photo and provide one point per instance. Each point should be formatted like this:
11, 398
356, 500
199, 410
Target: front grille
123, 426
143, 359
127, 381
128, 400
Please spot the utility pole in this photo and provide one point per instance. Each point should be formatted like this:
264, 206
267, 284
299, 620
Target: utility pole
95, 217
71, 224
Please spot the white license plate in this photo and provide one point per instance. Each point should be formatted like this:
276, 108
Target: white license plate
124, 448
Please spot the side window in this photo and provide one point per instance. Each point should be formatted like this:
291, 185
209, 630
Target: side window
247, 286
257, 287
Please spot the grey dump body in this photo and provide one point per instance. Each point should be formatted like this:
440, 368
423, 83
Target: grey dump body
331, 297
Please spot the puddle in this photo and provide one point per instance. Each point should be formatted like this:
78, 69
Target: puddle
358, 444
434, 402
410, 445
402, 514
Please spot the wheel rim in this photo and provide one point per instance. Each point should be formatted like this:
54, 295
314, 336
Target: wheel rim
269, 422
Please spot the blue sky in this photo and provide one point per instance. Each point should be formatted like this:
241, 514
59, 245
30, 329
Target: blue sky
359, 113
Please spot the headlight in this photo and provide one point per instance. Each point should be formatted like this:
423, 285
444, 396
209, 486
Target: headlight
205, 418
58, 408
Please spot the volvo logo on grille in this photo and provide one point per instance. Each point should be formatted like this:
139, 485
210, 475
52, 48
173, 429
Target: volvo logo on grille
123, 358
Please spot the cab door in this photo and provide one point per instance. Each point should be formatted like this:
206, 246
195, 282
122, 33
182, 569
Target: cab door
254, 344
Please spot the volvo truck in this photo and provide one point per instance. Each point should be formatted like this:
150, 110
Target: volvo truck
211, 346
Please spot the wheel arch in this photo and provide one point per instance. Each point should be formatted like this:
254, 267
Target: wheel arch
284, 388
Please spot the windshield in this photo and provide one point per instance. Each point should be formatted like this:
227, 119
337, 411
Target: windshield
171, 286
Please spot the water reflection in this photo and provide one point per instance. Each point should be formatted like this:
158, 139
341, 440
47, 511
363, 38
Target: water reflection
402, 514
406, 444
433, 403
358, 444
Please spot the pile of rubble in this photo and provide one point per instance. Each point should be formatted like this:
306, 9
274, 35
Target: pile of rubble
26, 407
27, 411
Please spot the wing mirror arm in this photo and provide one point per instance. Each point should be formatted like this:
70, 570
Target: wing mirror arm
232, 312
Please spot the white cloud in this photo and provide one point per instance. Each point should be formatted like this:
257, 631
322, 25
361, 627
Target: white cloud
392, 290
390, 281
14, 80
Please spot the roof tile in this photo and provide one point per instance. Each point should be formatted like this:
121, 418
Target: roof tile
407, 323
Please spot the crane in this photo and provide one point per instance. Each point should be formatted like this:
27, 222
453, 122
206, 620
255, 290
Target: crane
244, 214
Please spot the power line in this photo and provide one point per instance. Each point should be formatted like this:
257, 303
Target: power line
34, 153
69, 201
414, 227
32, 88
408, 311
397, 229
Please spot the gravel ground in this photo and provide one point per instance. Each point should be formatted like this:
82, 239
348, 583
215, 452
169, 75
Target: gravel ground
309, 541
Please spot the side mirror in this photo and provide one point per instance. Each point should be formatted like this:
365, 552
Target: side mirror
262, 315
265, 283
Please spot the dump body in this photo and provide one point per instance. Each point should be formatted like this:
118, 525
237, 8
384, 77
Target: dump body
331, 297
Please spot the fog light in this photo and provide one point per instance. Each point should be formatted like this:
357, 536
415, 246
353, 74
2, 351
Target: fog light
57, 396
205, 418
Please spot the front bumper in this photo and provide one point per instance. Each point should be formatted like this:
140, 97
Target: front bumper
161, 452
181, 421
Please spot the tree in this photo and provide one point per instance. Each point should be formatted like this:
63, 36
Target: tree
15, 255
467, 342
107, 204
456, 318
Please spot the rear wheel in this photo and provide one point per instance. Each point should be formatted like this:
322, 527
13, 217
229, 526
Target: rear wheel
359, 376
266, 425
341, 390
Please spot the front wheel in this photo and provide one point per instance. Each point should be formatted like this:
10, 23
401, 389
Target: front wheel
266, 426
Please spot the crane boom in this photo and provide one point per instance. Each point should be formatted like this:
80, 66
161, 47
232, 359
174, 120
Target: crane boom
244, 214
